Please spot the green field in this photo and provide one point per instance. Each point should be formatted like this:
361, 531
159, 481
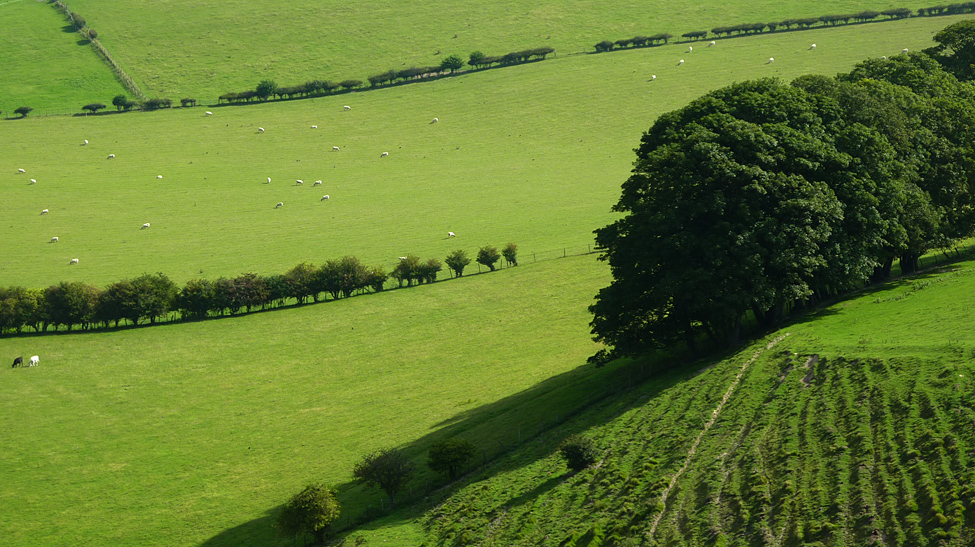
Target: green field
195, 433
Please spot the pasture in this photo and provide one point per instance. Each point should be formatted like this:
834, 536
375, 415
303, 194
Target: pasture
532, 154
190, 433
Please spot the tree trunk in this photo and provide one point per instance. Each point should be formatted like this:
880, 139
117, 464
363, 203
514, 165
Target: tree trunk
908, 263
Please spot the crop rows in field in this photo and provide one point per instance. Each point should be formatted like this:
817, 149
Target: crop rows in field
809, 450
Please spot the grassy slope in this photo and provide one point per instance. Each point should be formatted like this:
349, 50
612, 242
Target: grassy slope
171, 435
206, 48
872, 443
532, 154
46, 65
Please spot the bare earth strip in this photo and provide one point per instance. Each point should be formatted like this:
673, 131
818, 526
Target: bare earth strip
707, 427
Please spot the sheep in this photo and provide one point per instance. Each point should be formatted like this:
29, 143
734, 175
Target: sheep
208, 113
21, 171
654, 77
144, 226
401, 257
43, 211
73, 261
812, 46
384, 154
884, 57
268, 180
279, 205
451, 234
711, 43
314, 127
435, 120
346, 107
325, 197
771, 60
33, 181
335, 149
110, 156
158, 176
680, 62
260, 129
299, 182
33, 361
86, 142
18, 361
54, 239
904, 50
690, 49
318, 183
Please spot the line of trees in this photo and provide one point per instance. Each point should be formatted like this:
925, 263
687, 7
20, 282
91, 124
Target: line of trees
763, 198
787, 24
153, 297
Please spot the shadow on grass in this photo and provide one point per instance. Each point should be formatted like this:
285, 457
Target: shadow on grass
249, 532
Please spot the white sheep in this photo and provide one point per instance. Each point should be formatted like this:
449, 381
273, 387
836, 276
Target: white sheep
279, 205
110, 156
33, 181
314, 127
401, 257
435, 120
208, 113
335, 149
325, 197
884, 57
346, 107
451, 234
680, 62
54, 239
144, 226
654, 77
299, 182
904, 50
33, 361
318, 183
73, 261
260, 129
690, 49
812, 46
771, 60
21, 171
711, 43
268, 180
86, 142
43, 211
384, 154
158, 176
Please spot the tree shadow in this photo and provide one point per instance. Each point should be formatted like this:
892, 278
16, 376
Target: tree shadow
83, 42
249, 532
68, 29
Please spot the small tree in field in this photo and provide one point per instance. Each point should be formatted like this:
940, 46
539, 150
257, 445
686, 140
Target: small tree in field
488, 256
309, 512
93, 107
450, 455
476, 58
389, 469
23, 111
120, 102
510, 253
452, 63
265, 89
457, 261
579, 452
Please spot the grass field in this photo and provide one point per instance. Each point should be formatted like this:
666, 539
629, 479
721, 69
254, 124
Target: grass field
46, 65
532, 154
851, 428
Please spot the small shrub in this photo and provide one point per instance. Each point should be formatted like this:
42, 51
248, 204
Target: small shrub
579, 452
23, 111
488, 255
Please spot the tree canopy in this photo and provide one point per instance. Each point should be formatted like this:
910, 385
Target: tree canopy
761, 197
309, 512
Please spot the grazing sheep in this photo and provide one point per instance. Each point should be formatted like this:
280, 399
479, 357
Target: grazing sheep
384, 154
268, 180
690, 49
325, 197
18, 361
158, 176
86, 142
654, 77
884, 57
144, 226
54, 239
812, 46
401, 257
208, 113
33, 181
771, 60
110, 156
314, 127
260, 129
299, 182
73, 261
435, 120
279, 205
335, 149
318, 183
346, 107
21, 171
711, 43
34, 360
680, 62
43, 211
451, 234
904, 50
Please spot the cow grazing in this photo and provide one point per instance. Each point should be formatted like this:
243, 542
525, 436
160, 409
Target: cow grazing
34, 360
18, 362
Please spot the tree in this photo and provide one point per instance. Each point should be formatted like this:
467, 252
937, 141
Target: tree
195, 300
120, 102
92, 34
956, 49
23, 111
407, 270
389, 469
488, 255
301, 282
350, 84
265, 89
457, 261
310, 512
93, 107
450, 455
187, 102
70, 304
476, 58
579, 452
510, 253
451, 63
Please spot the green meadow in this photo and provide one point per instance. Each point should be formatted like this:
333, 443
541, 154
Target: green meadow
195, 433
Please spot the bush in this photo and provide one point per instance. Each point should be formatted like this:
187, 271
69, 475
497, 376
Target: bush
93, 107
92, 33
309, 512
23, 111
265, 89
579, 452
488, 255
457, 261
187, 102
450, 455
510, 253
451, 63
605, 45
